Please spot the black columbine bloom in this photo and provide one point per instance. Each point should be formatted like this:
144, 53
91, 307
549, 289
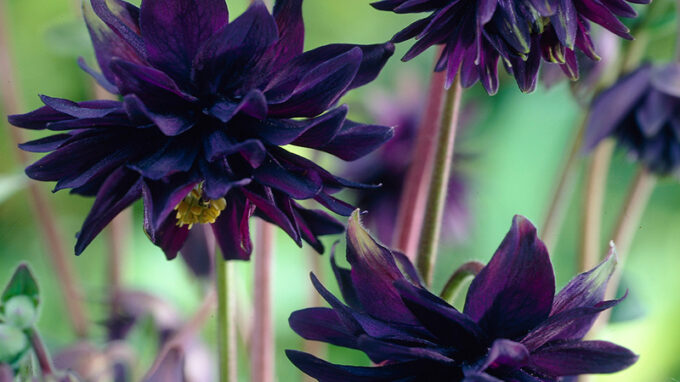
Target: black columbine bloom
642, 112
475, 34
206, 107
513, 327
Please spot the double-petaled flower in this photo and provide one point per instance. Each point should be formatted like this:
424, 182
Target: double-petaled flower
207, 106
513, 327
475, 34
642, 112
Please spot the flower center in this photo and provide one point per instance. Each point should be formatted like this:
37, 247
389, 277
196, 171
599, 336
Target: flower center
194, 209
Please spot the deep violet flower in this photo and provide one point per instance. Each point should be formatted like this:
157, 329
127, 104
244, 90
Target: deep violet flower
207, 106
513, 327
642, 112
389, 165
476, 34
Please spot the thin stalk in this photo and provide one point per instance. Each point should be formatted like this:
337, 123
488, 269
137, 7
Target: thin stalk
455, 284
411, 209
629, 222
596, 184
226, 321
41, 209
44, 360
262, 345
439, 183
552, 225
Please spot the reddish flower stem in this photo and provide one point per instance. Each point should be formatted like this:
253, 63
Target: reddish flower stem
41, 209
317, 348
596, 185
411, 210
262, 343
41, 354
439, 183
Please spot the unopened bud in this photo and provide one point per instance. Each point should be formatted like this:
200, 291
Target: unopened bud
13, 343
20, 311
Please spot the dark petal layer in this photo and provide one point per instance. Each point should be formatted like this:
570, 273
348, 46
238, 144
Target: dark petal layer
228, 60
288, 16
586, 289
115, 35
162, 196
119, 190
583, 357
168, 236
613, 104
514, 292
328, 372
506, 353
173, 32
452, 328
231, 228
355, 140
373, 274
322, 324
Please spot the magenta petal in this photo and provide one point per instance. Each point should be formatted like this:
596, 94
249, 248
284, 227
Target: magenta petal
253, 104
514, 292
506, 353
583, 357
174, 31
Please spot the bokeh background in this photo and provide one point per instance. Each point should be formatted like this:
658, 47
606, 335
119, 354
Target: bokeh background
519, 142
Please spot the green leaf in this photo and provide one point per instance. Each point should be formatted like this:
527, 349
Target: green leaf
22, 284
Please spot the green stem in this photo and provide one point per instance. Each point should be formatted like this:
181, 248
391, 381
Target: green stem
226, 330
455, 284
436, 198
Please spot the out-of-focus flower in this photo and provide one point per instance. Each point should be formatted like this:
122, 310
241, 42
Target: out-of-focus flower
476, 34
592, 73
207, 106
642, 112
389, 165
513, 326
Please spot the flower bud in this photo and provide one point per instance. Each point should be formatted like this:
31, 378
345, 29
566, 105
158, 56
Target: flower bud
20, 311
12, 343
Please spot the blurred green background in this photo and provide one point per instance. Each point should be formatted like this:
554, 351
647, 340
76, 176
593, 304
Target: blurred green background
518, 142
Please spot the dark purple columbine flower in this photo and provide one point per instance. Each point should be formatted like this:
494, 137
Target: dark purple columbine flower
642, 111
475, 34
513, 327
207, 106
389, 165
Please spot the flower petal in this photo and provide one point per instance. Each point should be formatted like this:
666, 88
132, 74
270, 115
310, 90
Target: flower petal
322, 324
231, 229
355, 140
373, 273
196, 252
583, 357
515, 291
119, 190
506, 353
173, 32
168, 235
613, 104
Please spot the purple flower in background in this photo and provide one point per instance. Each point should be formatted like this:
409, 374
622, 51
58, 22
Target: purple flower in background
206, 107
389, 165
642, 112
592, 72
476, 34
513, 327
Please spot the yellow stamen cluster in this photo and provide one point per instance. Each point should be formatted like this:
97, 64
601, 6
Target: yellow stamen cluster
194, 209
